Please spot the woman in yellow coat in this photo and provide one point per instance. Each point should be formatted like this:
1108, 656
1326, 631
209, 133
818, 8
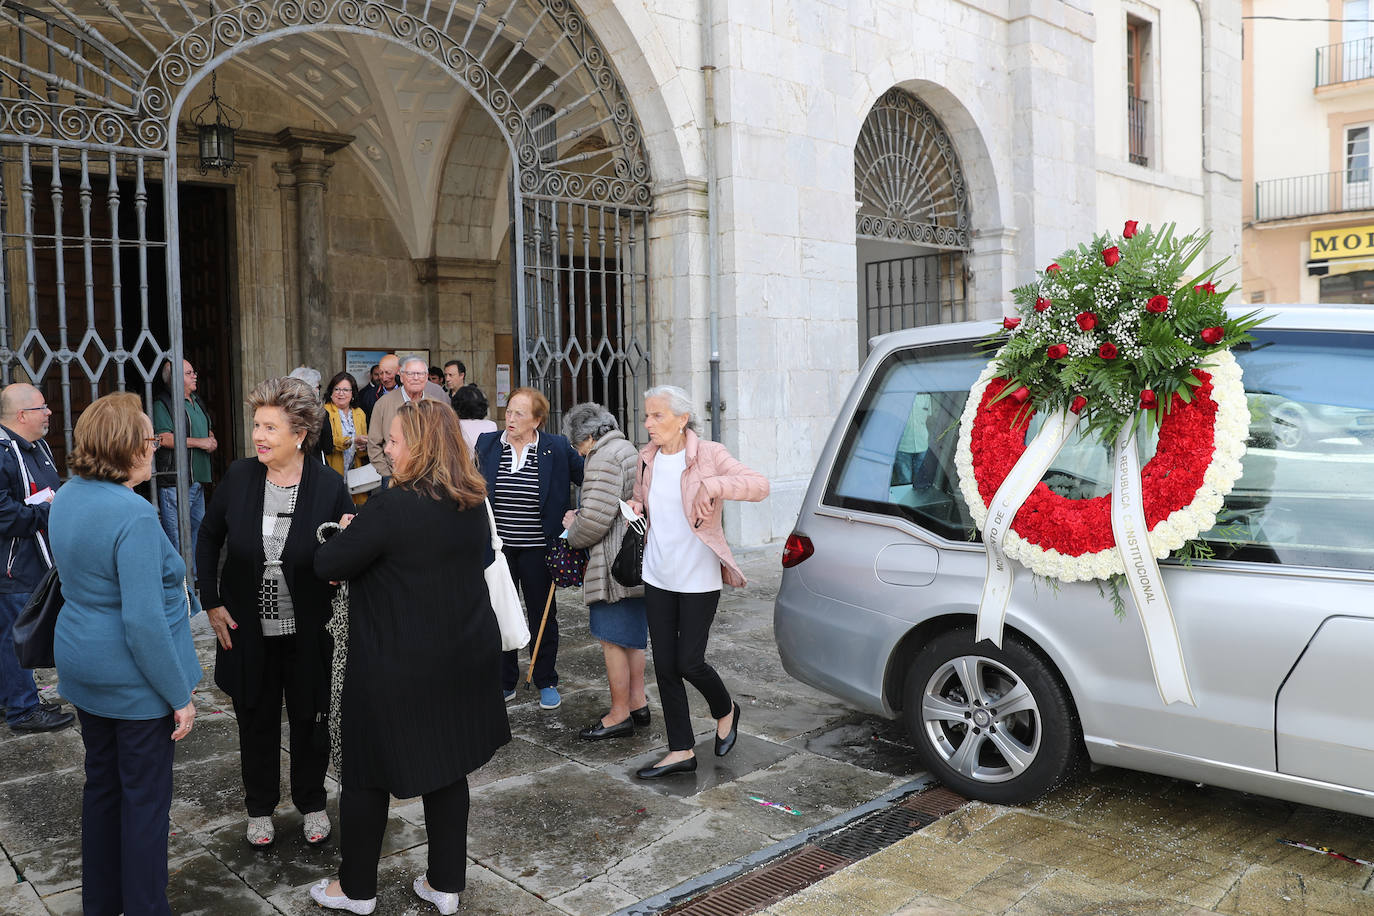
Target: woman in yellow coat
348, 425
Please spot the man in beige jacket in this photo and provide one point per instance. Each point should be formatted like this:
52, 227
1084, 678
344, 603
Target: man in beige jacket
415, 386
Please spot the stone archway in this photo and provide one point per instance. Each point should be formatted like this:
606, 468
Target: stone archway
912, 223
92, 94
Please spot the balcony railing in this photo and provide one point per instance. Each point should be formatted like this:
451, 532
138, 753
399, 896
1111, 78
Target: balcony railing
1135, 118
1310, 195
1345, 62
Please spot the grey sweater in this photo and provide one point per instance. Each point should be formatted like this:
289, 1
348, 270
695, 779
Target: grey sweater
608, 478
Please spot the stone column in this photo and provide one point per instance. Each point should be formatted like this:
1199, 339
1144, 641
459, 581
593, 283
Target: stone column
310, 163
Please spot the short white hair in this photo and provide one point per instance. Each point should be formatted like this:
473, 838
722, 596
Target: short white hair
310, 376
679, 402
414, 359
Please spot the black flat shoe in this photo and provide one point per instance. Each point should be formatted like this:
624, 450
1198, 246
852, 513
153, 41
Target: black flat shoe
724, 745
640, 715
668, 769
598, 732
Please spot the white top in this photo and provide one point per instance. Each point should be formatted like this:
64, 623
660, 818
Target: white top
675, 559
473, 428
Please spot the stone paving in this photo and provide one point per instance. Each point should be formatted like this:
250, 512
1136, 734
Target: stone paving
558, 825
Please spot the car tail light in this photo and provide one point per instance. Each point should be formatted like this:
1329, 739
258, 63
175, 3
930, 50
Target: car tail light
797, 548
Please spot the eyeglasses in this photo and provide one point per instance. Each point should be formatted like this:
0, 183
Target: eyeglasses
43, 407
154, 441
419, 374
341, 388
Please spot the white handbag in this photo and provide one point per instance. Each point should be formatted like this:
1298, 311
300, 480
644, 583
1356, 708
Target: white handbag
363, 479
505, 601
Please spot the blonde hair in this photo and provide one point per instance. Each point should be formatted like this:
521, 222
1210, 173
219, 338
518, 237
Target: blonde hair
439, 464
109, 437
294, 398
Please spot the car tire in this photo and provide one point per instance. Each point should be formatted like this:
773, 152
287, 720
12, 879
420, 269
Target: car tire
1017, 754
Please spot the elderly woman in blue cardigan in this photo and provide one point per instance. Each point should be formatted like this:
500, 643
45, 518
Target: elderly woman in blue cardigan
529, 479
124, 655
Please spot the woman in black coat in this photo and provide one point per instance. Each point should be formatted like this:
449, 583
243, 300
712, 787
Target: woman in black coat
422, 703
268, 608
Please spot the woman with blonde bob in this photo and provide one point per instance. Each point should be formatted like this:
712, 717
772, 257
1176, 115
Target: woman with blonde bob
124, 655
422, 704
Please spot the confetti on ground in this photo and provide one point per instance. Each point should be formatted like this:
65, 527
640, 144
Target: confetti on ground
1326, 851
768, 804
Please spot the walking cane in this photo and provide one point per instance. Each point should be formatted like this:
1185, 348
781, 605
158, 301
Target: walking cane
540, 638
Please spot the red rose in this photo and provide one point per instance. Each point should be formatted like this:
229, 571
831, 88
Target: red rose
1020, 394
1212, 335
1010, 323
1148, 401
1129, 231
1087, 320
1157, 304
1107, 350
1078, 404
1052, 268
1057, 351
1042, 303
1111, 255
1205, 288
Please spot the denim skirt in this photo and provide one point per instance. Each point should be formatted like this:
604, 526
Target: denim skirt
620, 623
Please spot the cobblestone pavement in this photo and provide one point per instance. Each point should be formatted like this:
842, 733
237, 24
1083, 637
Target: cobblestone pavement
560, 826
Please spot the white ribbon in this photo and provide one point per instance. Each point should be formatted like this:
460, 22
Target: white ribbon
1142, 574
1006, 502
1132, 540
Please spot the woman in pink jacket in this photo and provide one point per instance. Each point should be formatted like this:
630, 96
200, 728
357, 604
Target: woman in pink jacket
682, 485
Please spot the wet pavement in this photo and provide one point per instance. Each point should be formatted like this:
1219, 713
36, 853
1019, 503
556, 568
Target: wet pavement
560, 825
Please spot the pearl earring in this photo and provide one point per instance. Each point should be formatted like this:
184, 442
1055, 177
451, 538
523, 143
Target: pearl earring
298, 446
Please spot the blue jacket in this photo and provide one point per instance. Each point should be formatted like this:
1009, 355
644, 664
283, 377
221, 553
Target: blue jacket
559, 468
123, 642
21, 526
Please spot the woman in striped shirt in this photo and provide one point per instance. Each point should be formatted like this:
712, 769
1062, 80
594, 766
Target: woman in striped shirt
529, 475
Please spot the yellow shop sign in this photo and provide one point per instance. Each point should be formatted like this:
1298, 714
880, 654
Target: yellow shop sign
1347, 242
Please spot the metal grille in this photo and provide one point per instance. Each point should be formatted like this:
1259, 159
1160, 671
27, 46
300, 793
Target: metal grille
913, 292
877, 831
907, 177
585, 319
1137, 111
769, 884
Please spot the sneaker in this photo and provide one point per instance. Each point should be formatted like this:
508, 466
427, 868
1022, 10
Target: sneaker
446, 902
320, 894
260, 832
509, 695
43, 719
549, 698
317, 827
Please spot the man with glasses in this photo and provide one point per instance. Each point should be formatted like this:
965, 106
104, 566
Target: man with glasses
28, 479
200, 441
415, 386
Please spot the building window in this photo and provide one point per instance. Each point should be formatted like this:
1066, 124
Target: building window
1357, 61
1137, 82
1357, 184
1354, 288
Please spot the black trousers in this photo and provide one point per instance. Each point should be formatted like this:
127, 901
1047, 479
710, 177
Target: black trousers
362, 823
124, 815
260, 736
679, 627
533, 580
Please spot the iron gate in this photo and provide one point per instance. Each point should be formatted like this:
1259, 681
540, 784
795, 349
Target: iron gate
90, 91
914, 291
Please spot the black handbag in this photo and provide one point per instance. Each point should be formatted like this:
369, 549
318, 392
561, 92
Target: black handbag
34, 628
628, 566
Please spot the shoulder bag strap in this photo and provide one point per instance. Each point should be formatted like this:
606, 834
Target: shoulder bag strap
496, 544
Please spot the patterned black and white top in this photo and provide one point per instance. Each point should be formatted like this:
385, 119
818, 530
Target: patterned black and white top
516, 503
274, 600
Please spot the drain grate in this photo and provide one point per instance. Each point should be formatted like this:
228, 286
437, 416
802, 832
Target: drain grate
936, 802
876, 831
769, 884
822, 856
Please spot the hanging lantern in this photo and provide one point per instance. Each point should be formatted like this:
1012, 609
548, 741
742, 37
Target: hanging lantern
217, 136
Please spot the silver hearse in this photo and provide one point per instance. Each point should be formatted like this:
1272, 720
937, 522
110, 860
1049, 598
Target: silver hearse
884, 570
